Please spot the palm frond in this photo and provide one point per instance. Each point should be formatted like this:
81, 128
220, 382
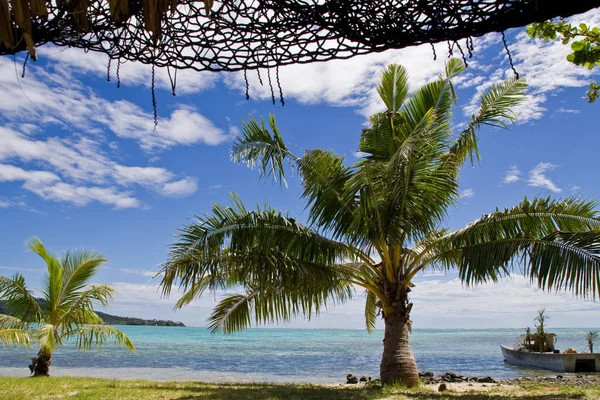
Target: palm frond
79, 268
53, 284
258, 147
47, 337
496, 110
212, 245
556, 243
194, 292
10, 322
370, 311
99, 335
232, 314
19, 300
14, 336
393, 88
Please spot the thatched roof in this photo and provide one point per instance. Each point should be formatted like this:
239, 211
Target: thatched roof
232, 35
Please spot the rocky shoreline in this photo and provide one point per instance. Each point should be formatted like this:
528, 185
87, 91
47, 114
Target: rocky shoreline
429, 378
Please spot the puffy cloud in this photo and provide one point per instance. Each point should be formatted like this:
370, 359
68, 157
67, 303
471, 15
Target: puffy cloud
512, 175
48, 186
538, 178
467, 193
92, 174
180, 188
49, 98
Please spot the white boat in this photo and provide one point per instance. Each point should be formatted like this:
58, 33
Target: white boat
569, 361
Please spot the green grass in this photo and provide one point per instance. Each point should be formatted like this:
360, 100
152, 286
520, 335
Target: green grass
87, 389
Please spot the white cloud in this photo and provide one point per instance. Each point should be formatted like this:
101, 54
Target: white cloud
215, 187
180, 188
71, 61
538, 178
542, 64
467, 193
47, 97
574, 188
48, 186
80, 171
512, 175
568, 110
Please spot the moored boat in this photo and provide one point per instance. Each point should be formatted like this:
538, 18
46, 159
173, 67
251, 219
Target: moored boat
558, 362
525, 354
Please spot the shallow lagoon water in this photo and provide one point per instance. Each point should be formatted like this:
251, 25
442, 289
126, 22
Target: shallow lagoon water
281, 355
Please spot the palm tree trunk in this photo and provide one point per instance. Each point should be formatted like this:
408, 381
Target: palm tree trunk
398, 364
40, 365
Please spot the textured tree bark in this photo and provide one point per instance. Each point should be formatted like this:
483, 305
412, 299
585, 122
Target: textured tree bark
398, 364
40, 366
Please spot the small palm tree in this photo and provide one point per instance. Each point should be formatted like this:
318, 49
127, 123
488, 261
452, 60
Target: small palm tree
66, 310
377, 223
591, 338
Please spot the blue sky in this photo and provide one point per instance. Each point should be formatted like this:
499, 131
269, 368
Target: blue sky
81, 167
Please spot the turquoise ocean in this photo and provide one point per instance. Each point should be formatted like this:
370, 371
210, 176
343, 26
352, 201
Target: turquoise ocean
281, 355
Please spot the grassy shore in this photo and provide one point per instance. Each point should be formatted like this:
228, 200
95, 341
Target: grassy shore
87, 389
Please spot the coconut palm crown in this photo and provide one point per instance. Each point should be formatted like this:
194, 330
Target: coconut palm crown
66, 310
375, 224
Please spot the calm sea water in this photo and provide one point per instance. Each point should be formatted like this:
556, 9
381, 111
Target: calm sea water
281, 355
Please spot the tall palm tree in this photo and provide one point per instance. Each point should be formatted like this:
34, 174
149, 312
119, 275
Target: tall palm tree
376, 224
66, 310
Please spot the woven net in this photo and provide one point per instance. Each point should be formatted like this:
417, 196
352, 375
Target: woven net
232, 35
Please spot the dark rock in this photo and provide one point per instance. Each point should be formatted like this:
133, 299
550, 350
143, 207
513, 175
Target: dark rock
442, 387
473, 379
487, 379
364, 379
426, 374
351, 379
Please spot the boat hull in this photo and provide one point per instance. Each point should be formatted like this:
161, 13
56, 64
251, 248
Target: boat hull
574, 362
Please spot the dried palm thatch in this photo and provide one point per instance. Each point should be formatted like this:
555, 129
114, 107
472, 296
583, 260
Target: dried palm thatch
249, 34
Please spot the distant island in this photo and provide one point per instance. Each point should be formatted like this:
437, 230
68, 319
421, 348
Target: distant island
114, 319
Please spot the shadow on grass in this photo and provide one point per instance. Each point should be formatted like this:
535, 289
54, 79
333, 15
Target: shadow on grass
265, 391
490, 396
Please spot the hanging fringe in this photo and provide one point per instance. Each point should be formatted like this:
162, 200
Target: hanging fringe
462, 53
172, 79
25, 65
433, 49
119, 73
247, 85
154, 101
279, 86
510, 60
271, 85
108, 70
259, 77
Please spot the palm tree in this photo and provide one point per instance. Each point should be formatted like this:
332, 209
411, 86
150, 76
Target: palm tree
376, 224
66, 310
591, 338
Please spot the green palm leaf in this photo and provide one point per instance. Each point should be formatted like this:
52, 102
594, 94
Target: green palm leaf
258, 147
19, 300
14, 337
99, 335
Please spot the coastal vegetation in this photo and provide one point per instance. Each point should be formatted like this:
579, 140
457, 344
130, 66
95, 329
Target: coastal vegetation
88, 389
591, 337
67, 310
109, 318
117, 320
378, 222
